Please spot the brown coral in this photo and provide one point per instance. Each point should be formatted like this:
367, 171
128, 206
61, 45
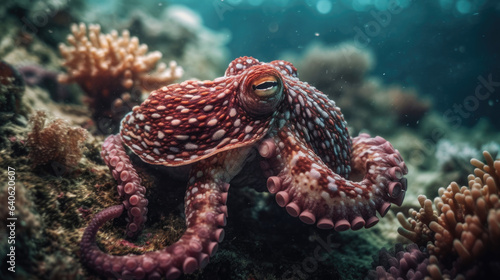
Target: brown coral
408, 106
464, 224
55, 142
113, 70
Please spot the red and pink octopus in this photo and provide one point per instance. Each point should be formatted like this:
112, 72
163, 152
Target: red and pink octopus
317, 171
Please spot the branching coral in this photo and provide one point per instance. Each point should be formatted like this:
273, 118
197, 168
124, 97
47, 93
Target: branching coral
54, 142
113, 70
461, 233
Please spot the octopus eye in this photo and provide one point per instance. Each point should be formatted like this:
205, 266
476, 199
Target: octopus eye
262, 91
266, 87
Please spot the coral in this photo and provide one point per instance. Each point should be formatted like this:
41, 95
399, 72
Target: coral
402, 263
407, 105
55, 142
461, 233
340, 67
201, 51
113, 70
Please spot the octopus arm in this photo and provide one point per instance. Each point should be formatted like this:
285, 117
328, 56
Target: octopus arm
205, 211
310, 190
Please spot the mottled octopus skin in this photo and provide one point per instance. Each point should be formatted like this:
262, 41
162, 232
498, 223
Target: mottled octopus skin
306, 153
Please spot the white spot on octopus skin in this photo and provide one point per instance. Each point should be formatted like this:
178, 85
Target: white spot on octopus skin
218, 134
155, 115
212, 122
176, 122
191, 146
208, 108
181, 137
232, 112
161, 107
134, 146
315, 174
150, 158
237, 122
156, 151
161, 135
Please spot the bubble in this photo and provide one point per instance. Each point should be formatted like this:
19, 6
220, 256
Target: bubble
324, 6
463, 6
273, 27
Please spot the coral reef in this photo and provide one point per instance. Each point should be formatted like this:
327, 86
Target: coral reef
459, 236
340, 67
180, 34
113, 70
341, 73
54, 142
408, 106
401, 263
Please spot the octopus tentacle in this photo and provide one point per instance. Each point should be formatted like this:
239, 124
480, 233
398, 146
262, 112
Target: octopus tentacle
129, 183
191, 252
205, 211
316, 170
308, 189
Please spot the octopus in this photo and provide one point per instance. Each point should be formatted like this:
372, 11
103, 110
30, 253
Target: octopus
316, 171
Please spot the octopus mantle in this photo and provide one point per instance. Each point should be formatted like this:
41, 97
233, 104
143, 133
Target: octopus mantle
315, 169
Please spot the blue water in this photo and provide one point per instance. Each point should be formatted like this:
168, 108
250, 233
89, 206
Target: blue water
441, 48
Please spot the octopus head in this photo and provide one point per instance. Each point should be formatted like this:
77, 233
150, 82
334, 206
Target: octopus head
183, 123
261, 91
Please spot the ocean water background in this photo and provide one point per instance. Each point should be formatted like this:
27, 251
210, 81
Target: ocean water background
441, 48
